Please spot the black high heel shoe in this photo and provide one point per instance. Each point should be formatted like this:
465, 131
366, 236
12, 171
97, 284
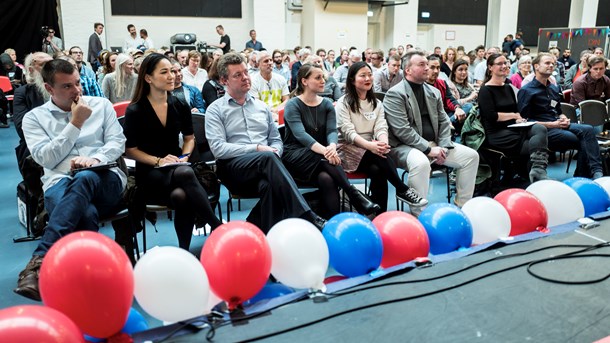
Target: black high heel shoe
361, 202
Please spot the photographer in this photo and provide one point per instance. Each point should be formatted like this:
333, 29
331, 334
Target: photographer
50, 44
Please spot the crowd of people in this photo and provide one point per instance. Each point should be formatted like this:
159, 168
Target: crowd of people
344, 112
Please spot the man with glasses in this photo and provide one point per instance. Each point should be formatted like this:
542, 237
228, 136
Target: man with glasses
248, 146
51, 44
376, 60
77, 54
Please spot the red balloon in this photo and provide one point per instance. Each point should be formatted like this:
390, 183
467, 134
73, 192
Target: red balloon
404, 238
33, 323
526, 212
237, 259
89, 278
334, 278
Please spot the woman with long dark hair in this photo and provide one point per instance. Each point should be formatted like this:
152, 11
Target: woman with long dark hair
364, 138
310, 144
153, 122
498, 109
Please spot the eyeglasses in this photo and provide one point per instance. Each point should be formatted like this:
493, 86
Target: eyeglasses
499, 64
51, 31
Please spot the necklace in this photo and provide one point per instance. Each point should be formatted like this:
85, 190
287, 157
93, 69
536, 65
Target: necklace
315, 128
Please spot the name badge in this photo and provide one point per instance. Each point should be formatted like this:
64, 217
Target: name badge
553, 103
370, 115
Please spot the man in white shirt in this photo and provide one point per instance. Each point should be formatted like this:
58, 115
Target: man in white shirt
268, 86
69, 132
481, 68
132, 41
388, 77
148, 43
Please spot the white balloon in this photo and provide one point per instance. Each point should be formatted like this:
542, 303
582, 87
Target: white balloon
562, 203
490, 220
171, 284
299, 254
213, 300
604, 182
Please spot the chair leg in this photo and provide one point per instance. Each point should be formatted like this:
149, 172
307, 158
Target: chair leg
144, 235
239, 204
569, 160
229, 208
448, 185
219, 210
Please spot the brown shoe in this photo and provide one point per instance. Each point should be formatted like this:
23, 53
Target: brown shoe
27, 285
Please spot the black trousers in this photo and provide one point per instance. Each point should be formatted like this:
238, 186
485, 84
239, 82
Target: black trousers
263, 174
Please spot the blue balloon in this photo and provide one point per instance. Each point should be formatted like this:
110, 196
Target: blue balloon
447, 226
93, 339
271, 290
135, 322
354, 244
593, 196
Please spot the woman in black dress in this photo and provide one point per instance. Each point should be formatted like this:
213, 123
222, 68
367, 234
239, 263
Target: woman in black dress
310, 144
153, 122
498, 109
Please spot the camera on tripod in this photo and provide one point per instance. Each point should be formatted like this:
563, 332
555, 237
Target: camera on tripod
202, 46
44, 31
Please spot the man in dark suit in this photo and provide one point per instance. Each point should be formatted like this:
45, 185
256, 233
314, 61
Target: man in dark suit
420, 132
95, 45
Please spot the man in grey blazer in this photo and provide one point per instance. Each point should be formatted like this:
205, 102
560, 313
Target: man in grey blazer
420, 131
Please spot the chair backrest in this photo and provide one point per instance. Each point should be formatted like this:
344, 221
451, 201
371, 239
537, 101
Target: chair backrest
280, 117
593, 112
5, 84
566, 95
199, 130
120, 108
121, 120
569, 111
608, 106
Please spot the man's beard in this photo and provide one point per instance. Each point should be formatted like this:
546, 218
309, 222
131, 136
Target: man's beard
39, 84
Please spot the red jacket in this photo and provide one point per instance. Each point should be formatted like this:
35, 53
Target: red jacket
449, 102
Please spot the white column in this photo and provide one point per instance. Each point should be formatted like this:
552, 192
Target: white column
502, 16
583, 13
270, 23
339, 24
401, 24
77, 22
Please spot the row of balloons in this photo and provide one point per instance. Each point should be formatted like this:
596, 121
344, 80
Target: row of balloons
88, 278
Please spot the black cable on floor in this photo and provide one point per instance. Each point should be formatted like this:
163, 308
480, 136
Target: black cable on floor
562, 282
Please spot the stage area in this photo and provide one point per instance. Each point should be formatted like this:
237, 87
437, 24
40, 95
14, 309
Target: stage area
493, 301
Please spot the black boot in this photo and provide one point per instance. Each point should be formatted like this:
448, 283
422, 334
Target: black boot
539, 160
361, 202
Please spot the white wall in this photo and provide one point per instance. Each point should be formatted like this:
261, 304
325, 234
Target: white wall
340, 24
501, 20
470, 36
77, 18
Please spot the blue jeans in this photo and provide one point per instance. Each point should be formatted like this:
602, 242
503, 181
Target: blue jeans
76, 204
580, 137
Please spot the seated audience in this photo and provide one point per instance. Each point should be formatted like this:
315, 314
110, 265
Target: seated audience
10, 70
119, 85
364, 139
540, 101
13, 54
451, 105
498, 109
577, 70
66, 133
341, 72
302, 54
267, 86
449, 58
279, 67
310, 144
525, 67
389, 76
377, 60
420, 132
248, 146
192, 75
593, 85
560, 71
331, 87
108, 62
461, 89
188, 95
153, 122
88, 85
212, 89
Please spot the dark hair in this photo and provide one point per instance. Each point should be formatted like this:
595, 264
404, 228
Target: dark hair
594, 59
147, 68
144, 32
97, 24
480, 47
490, 61
130, 26
434, 57
351, 95
304, 72
213, 72
459, 62
56, 66
220, 27
70, 50
253, 30
319, 51
539, 57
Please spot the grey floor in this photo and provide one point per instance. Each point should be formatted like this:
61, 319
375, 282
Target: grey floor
14, 256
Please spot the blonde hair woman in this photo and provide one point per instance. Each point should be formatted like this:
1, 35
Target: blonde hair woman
119, 85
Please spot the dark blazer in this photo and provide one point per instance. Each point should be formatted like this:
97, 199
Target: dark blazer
404, 119
95, 45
